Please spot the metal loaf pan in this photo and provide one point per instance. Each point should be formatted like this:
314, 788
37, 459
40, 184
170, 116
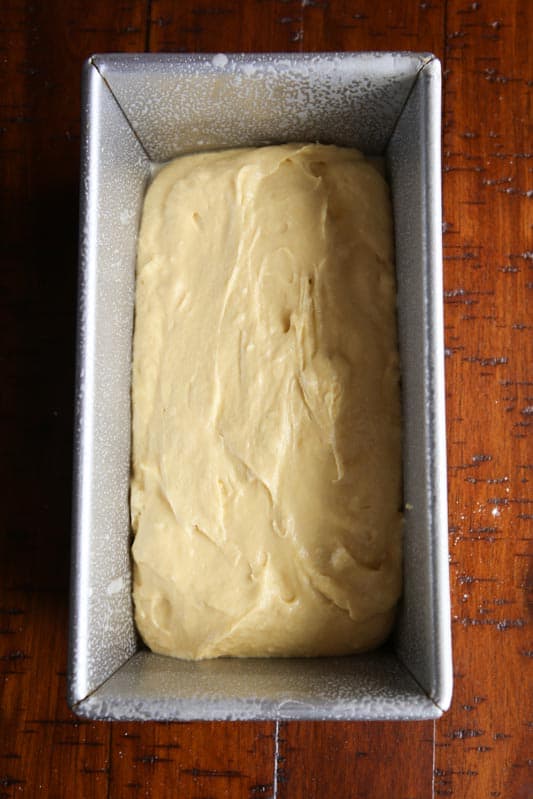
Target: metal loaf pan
140, 110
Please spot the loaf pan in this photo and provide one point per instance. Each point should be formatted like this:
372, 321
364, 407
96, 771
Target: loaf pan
139, 111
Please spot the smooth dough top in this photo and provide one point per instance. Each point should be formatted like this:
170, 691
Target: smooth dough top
266, 485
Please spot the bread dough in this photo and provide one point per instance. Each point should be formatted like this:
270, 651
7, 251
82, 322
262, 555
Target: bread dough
266, 479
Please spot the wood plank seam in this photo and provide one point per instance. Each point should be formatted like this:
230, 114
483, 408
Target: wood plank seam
276, 761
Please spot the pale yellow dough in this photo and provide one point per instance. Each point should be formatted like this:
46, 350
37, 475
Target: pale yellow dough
266, 416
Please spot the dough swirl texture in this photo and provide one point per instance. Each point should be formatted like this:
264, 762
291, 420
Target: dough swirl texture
266, 479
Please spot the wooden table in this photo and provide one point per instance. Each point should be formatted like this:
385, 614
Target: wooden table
479, 749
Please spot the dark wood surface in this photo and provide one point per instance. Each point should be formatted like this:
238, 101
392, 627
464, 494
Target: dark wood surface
482, 747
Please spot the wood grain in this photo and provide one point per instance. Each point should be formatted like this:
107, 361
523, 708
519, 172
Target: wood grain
229, 25
480, 748
482, 744
363, 761
198, 760
44, 750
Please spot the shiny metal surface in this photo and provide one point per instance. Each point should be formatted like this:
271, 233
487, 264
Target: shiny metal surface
138, 111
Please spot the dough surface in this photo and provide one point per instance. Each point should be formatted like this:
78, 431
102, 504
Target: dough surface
266, 475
